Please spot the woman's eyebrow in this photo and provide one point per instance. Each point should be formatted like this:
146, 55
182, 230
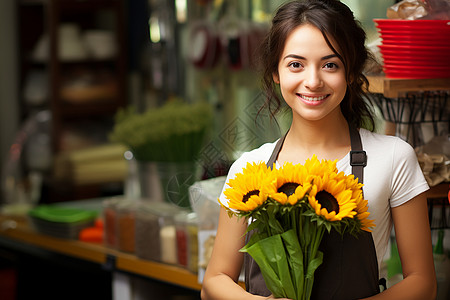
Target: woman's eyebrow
303, 58
329, 56
294, 56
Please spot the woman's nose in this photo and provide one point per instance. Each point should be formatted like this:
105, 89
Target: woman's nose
313, 79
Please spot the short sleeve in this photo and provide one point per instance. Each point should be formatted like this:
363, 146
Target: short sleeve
408, 180
258, 155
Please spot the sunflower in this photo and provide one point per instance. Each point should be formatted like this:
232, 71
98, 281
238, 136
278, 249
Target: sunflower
287, 184
332, 198
361, 208
314, 167
362, 214
244, 192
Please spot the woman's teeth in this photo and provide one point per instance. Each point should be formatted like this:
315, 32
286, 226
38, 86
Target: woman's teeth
313, 98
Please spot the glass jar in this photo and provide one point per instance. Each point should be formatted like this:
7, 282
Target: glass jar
155, 232
181, 220
186, 225
147, 233
126, 210
109, 221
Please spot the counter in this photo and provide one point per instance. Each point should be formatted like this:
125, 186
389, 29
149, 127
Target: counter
17, 232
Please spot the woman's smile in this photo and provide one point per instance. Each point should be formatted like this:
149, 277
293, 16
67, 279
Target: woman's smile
312, 99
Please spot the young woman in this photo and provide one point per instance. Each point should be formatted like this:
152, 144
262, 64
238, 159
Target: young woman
315, 54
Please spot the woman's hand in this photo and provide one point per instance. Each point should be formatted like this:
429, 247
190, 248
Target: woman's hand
272, 297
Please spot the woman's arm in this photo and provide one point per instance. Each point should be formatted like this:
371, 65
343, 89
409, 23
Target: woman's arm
412, 232
224, 267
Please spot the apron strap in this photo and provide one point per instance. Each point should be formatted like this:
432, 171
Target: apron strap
358, 157
276, 150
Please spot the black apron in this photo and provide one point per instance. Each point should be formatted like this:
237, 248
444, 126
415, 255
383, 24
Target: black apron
350, 268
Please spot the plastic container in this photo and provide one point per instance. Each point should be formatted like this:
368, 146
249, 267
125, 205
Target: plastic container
61, 222
192, 233
203, 197
125, 222
155, 232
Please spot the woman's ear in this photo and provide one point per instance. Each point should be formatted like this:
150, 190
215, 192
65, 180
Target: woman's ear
276, 79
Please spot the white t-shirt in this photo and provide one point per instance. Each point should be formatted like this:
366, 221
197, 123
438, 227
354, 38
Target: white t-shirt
391, 178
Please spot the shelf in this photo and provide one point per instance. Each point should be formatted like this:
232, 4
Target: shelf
394, 87
18, 231
33, 2
74, 4
98, 109
439, 191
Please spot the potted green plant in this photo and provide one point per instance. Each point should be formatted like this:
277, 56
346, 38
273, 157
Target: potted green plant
167, 140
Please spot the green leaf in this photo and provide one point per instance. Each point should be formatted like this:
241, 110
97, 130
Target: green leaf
271, 258
254, 225
295, 259
314, 264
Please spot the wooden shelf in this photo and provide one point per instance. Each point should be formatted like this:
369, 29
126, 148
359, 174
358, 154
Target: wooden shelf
394, 87
33, 2
83, 6
439, 191
18, 231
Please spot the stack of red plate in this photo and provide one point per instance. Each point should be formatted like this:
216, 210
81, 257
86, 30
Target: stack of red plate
415, 48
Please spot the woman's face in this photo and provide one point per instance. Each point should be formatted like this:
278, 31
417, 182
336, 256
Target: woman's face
311, 77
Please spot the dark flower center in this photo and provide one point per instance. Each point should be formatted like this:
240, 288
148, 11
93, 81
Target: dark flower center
288, 188
328, 201
249, 194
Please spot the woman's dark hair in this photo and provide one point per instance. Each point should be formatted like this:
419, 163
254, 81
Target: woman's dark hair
336, 21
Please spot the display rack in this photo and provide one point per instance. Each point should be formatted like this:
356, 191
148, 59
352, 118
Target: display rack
81, 89
406, 103
410, 105
395, 87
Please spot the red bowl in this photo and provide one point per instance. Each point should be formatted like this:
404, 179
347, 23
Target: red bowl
396, 24
416, 71
406, 67
433, 53
414, 40
417, 48
426, 35
415, 61
438, 29
415, 74
412, 53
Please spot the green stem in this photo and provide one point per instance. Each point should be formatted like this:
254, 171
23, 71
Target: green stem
313, 250
294, 221
317, 239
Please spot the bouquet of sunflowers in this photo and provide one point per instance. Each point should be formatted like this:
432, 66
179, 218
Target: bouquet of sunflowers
289, 210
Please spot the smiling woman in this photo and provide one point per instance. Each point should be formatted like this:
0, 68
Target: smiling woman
314, 54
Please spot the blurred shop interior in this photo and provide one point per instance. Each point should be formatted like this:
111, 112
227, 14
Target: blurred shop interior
120, 118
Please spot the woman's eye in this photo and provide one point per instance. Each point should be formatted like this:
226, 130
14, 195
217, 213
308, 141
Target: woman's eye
330, 65
295, 65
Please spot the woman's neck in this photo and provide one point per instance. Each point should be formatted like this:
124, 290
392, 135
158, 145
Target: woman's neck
328, 139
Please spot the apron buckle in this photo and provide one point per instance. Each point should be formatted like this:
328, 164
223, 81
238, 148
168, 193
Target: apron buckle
358, 158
